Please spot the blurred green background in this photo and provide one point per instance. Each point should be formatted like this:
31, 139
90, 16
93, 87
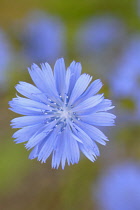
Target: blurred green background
28, 184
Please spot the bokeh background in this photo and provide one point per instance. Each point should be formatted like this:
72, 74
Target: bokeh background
105, 37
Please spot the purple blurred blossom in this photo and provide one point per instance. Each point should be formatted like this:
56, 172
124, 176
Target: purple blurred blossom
98, 41
119, 188
43, 37
99, 33
125, 79
5, 59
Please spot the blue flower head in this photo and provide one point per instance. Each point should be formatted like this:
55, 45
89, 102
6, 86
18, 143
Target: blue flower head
61, 114
119, 188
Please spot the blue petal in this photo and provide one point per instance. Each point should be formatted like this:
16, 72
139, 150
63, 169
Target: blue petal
104, 105
30, 91
34, 153
26, 111
49, 78
88, 153
39, 78
93, 132
75, 69
66, 149
28, 103
20, 122
18, 107
59, 75
49, 144
42, 133
67, 81
24, 134
86, 140
58, 150
71, 151
36, 139
99, 119
80, 86
91, 90
88, 103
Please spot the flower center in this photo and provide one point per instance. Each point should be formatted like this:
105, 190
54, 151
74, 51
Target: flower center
60, 113
64, 114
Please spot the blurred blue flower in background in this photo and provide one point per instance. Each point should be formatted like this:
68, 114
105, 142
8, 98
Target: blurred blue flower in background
99, 40
43, 37
99, 33
119, 188
5, 59
125, 79
62, 112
